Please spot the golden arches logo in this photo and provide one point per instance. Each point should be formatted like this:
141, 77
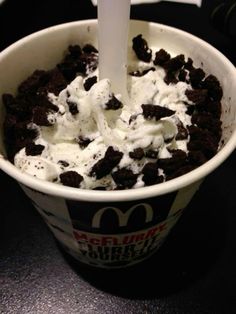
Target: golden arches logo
123, 218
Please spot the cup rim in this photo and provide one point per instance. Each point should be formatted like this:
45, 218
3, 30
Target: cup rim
130, 194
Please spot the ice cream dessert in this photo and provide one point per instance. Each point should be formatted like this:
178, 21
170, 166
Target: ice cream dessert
67, 127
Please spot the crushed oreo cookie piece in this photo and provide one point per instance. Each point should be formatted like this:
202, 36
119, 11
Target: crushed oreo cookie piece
189, 64
38, 79
63, 163
105, 165
196, 76
170, 78
56, 83
100, 188
150, 174
71, 178
155, 111
137, 153
75, 51
182, 77
84, 141
172, 164
141, 49
124, 178
197, 96
113, 104
211, 106
139, 74
205, 120
212, 84
40, 116
34, 150
17, 106
73, 108
179, 172
78, 61
88, 48
89, 82
161, 57
205, 145
175, 64
202, 140
190, 110
182, 132
151, 153
196, 158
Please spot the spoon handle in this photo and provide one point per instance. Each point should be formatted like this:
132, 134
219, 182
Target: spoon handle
113, 27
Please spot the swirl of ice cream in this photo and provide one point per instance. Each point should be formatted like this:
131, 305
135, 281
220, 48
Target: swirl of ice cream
77, 139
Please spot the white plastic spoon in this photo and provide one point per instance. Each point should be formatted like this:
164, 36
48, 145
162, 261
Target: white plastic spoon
113, 27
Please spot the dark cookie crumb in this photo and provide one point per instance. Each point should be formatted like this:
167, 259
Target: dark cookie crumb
113, 104
105, 165
32, 149
161, 57
9, 125
75, 51
211, 106
190, 110
196, 158
189, 64
150, 174
137, 153
33, 82
213, 86
181, 171
175, 64
155, 111
139, 74
71, 178
182, 132
88, 48
40, 116
207, 147
124, 178
63, 163
202, 140
22, 132
205, 120
172, 164
78, 61
170, 78
16, 106
89, 82
100, 188
196, 76
72, 107
197, 96
151, 153
182, 75
84, 141
141, 49
56, 83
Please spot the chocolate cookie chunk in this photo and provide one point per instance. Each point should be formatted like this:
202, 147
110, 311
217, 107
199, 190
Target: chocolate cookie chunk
105, 165
71, 178
141, 49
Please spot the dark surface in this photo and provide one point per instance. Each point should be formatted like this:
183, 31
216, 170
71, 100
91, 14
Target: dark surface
194, 272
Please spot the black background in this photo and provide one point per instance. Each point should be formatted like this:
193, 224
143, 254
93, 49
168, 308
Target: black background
194, 271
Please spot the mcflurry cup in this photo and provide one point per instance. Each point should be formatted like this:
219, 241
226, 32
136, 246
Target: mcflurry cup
114, 228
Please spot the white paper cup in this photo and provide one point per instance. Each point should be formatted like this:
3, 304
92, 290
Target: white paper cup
140, 218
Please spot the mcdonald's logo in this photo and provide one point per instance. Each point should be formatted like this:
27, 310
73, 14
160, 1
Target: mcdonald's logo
123, 218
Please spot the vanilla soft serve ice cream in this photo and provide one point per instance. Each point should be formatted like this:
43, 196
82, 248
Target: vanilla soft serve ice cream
90, 128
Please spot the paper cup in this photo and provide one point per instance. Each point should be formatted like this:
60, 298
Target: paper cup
114, 228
